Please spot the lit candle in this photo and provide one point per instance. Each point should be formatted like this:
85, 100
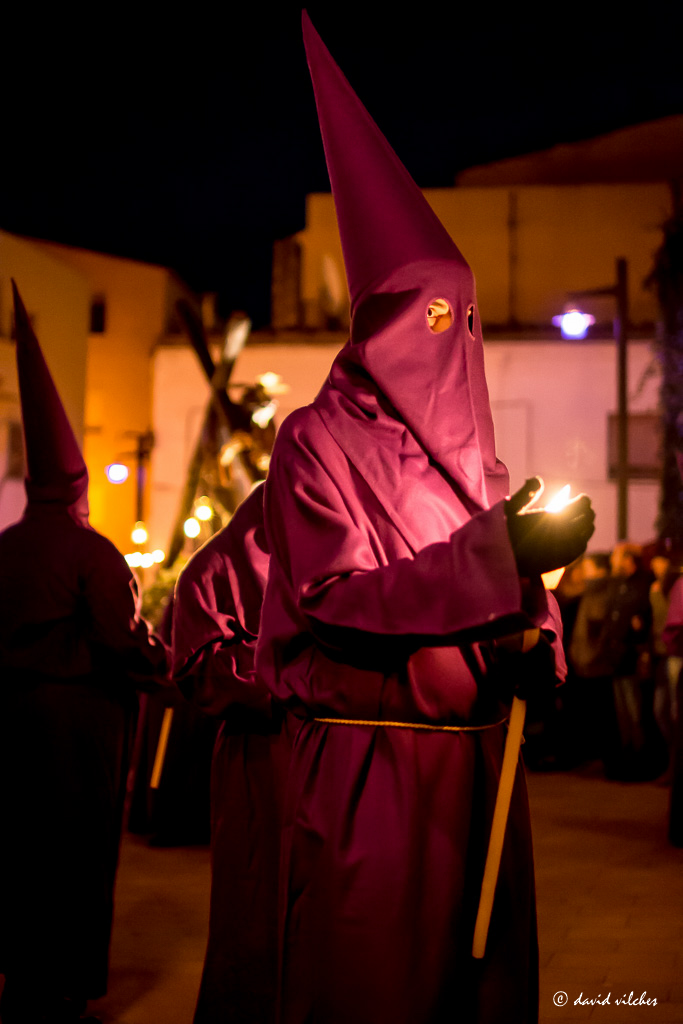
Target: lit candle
551, 579
560, 500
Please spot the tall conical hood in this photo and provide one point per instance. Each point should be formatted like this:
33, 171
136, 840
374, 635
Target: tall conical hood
415, 328
56, 472
384, 220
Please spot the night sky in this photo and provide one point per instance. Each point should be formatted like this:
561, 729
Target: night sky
191, 141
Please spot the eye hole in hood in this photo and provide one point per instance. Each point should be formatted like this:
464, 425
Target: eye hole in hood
439, 315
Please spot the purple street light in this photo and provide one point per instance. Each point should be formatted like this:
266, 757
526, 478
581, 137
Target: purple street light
116, 472
619, 292
573, 323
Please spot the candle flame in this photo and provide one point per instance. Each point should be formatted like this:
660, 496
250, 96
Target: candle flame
552, 579
560, 500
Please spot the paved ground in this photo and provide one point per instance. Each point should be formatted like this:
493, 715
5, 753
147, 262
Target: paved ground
610, 905
610, 899
160, 927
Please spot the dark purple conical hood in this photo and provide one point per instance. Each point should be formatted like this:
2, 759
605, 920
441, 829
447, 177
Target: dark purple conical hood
384, 220
400, 259
56, 472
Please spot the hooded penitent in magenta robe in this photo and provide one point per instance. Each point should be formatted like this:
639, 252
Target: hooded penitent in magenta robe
216, 618
73, 650
391, 574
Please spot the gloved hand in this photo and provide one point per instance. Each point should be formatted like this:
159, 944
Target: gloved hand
530, 670
542, 541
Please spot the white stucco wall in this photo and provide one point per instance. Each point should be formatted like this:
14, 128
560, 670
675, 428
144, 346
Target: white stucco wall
550, 403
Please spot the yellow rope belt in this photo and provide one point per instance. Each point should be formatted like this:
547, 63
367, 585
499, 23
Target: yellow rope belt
412, 725
501, 809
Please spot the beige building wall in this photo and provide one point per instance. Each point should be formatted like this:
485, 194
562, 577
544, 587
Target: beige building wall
139, 300
528, 247
180, 400
551, 401
57, 298
569, 238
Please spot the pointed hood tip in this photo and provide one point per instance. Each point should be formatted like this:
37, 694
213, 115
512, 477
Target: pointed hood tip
385, 222
306, 23
20, 314
56, 471
397, 253
309, 33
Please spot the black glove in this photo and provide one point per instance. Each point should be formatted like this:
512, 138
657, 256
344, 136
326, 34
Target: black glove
530, 672
542, 541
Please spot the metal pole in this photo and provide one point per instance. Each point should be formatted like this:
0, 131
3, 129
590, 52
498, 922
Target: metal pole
143, 451
620, 330
620, 293
139, 477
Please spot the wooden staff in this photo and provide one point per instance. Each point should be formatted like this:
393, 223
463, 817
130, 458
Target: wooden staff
160, 755
501, 810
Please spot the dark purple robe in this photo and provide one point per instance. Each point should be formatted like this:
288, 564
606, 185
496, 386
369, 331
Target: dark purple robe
73, 650
672, 636
386, 586
216, 621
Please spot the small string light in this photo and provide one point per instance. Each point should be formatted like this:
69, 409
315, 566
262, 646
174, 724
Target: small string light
203, 509
191, 527
264, 414
139, 533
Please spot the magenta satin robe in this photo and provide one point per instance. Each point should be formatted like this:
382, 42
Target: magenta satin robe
383, 591
216, 620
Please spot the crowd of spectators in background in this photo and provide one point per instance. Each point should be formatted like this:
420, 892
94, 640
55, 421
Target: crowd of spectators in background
623, 636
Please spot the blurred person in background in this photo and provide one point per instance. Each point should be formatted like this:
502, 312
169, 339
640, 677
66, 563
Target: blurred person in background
628, 633
594, 715
610, 647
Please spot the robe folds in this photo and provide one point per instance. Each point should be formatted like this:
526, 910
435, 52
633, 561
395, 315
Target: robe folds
73, 651
385, 592
672, 636
217, 611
